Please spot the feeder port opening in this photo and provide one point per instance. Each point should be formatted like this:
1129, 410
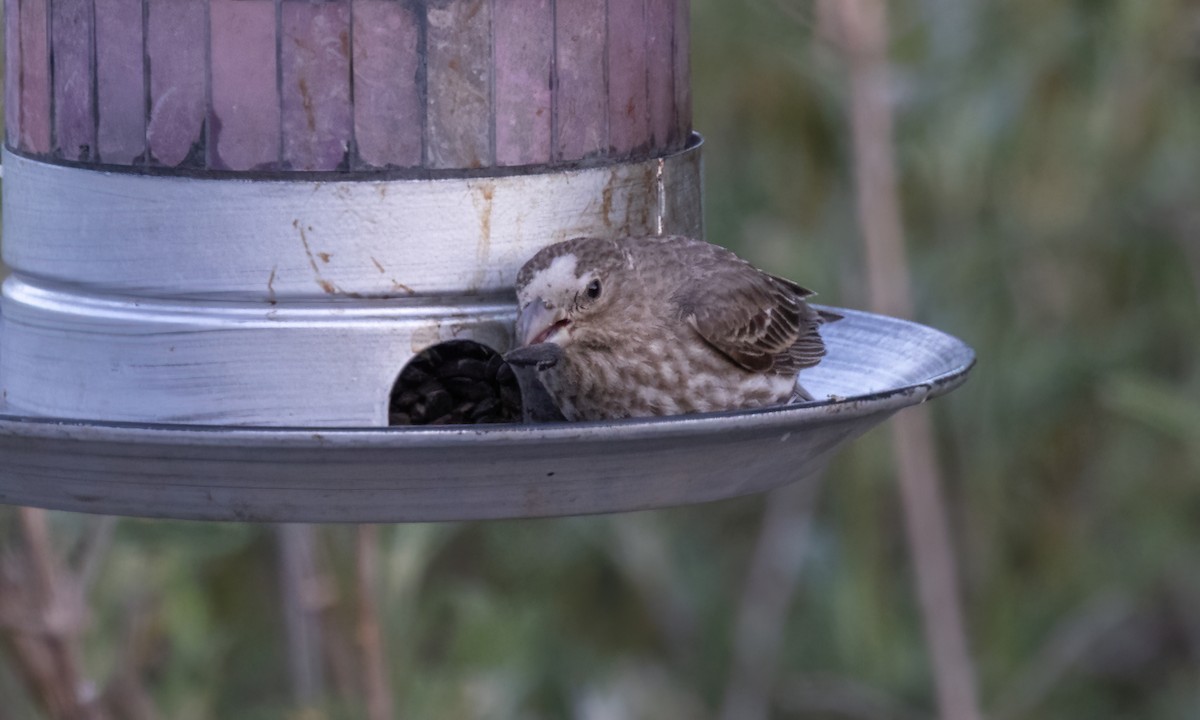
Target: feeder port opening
457, 382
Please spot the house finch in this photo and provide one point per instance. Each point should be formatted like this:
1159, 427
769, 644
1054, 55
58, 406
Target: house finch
633, 327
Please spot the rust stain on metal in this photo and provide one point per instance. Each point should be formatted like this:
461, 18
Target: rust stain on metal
482, 199
307, 101
648, 193
642, 194
485, 218
324, 257
606, 200
312, 261
327, 286
402, 287
378, 266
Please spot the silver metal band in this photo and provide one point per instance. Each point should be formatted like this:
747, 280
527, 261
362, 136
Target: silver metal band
165, 299
179, 237
67, 354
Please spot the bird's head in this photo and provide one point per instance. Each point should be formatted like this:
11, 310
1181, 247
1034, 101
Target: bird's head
564, 288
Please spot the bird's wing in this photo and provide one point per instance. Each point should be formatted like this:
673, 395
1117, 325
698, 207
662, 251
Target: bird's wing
757, 320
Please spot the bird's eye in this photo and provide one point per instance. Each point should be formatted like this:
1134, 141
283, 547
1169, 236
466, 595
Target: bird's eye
593, 289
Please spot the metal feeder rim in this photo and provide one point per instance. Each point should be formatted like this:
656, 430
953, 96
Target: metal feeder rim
477, 472
793, 416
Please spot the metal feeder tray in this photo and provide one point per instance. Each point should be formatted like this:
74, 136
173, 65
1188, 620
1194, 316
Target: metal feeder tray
875, 366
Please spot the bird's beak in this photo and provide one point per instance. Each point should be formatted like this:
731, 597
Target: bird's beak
537, 322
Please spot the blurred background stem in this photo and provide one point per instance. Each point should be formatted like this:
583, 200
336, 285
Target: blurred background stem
375, 675
300, 588
43, 612
770, 587
863, 33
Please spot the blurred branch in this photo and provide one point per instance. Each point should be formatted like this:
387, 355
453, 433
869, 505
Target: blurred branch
1068, 645
1185, 594
124, 696
824, 695
300, 588
641, 553
1157, 404
862, 27
1187, 232
42, 614
370, 630
771, 585
93, 550
801, 12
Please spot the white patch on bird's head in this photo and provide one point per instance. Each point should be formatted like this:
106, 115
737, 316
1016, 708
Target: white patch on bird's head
561, 299
552, 282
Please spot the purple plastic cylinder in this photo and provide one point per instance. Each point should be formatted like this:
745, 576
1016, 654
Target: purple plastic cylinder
12, 72
346, 85
660, 69
120, 82
524, 52
388, 114
315, 58
628, 94
35, 77
458, 51
243, 120
178, 81
683, 74
74, 121
581, 122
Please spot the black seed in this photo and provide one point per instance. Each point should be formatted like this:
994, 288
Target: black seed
438, 403
470, 349
488, 409
459, 385
467, 389
463, 367
405, 398
417, 413
427, 389
431, 357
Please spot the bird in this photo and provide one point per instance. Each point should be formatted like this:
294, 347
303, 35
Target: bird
621, 327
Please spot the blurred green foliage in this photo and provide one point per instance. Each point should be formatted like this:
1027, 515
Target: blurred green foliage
1049, 153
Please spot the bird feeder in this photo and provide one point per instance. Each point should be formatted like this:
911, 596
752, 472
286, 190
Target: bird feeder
233, 224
